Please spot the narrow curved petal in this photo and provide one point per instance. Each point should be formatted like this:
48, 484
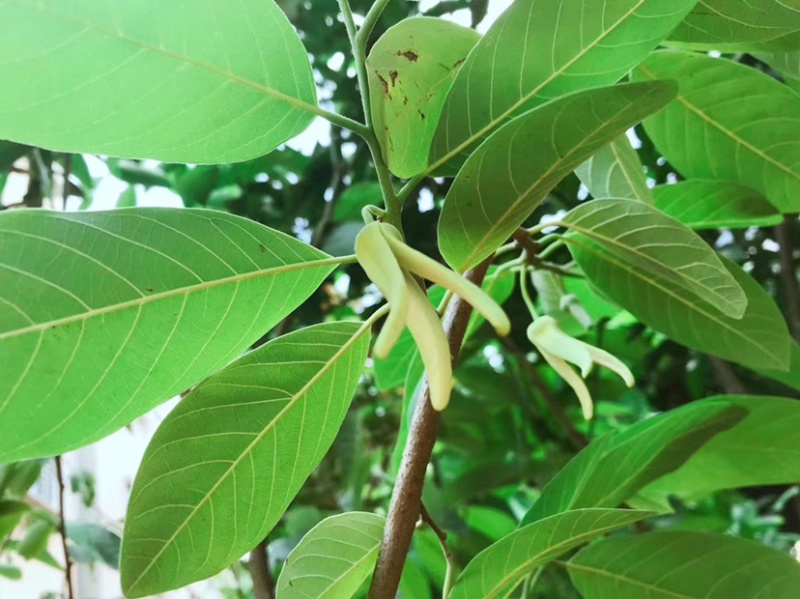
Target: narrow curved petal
545, 334
573, 380
611, 362
380, 264
426, 328
418, 263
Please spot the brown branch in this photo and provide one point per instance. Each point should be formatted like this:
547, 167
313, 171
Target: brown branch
62, 529
727, 377
404, 509
575, 438
263, 583
790, 284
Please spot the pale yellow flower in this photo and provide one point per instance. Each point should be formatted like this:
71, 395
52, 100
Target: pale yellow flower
391, 264
558, 349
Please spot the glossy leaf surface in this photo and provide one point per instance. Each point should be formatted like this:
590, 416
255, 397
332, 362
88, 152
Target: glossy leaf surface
133, 307
333, 559
177, 81
512, 172
226, 463
729, 122
538, 51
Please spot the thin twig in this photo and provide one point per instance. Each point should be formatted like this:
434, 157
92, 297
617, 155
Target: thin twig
404, 509
62, 529
258, 564
452, 565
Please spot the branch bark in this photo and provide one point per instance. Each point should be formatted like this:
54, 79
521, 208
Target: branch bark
62, 529
404, 509
258, 564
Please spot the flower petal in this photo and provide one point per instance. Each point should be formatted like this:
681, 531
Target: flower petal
611, 362
426, 328
418, 263
545, 334
573, 380
380, 264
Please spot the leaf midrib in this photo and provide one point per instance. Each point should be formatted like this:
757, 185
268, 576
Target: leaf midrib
264, 89
331, 363
493, 123
140, 301
724, 130
620, 578
636, 273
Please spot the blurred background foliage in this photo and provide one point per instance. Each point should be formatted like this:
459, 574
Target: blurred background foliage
512, 422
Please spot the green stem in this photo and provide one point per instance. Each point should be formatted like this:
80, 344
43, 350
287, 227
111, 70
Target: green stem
523, 285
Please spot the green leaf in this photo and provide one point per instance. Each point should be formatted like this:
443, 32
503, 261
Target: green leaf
683, 565
786, 63
721, 24
333, 559
410, 70
614, 468
507, 177
492, 523
729, 122
762, 449
104, 315
171, 81
790, 377
35, 540
127, 199
760, 339
11, 513
227, 462
615, 171
640, 235
707, 204
93, 542
537, 51
10, 572
354, 199
494, 570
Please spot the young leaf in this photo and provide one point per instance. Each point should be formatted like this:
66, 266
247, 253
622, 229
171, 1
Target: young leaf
614, 468
759, 339
512, 172
762, 449
537, 51
104, 315
410, 70
615, 171
721, 24
227, 462
495, 570
683, 565
707, 204
333, 559
729, 122
173, 81
638, 234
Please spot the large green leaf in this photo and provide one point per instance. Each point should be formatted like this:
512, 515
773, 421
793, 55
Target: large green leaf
512, 172
227, 462
707, 204
683, 565
762, 449
636, 233
178, 81
614, 468
104, 315
410, 70
615, 171
729, 122
537, 51
495, 570
333, 559
722, 24
760, 339
790, 377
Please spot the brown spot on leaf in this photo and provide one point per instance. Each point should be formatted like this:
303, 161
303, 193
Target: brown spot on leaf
409, 55
262, 248
385, 84
458, 63
393, 75
421, 114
